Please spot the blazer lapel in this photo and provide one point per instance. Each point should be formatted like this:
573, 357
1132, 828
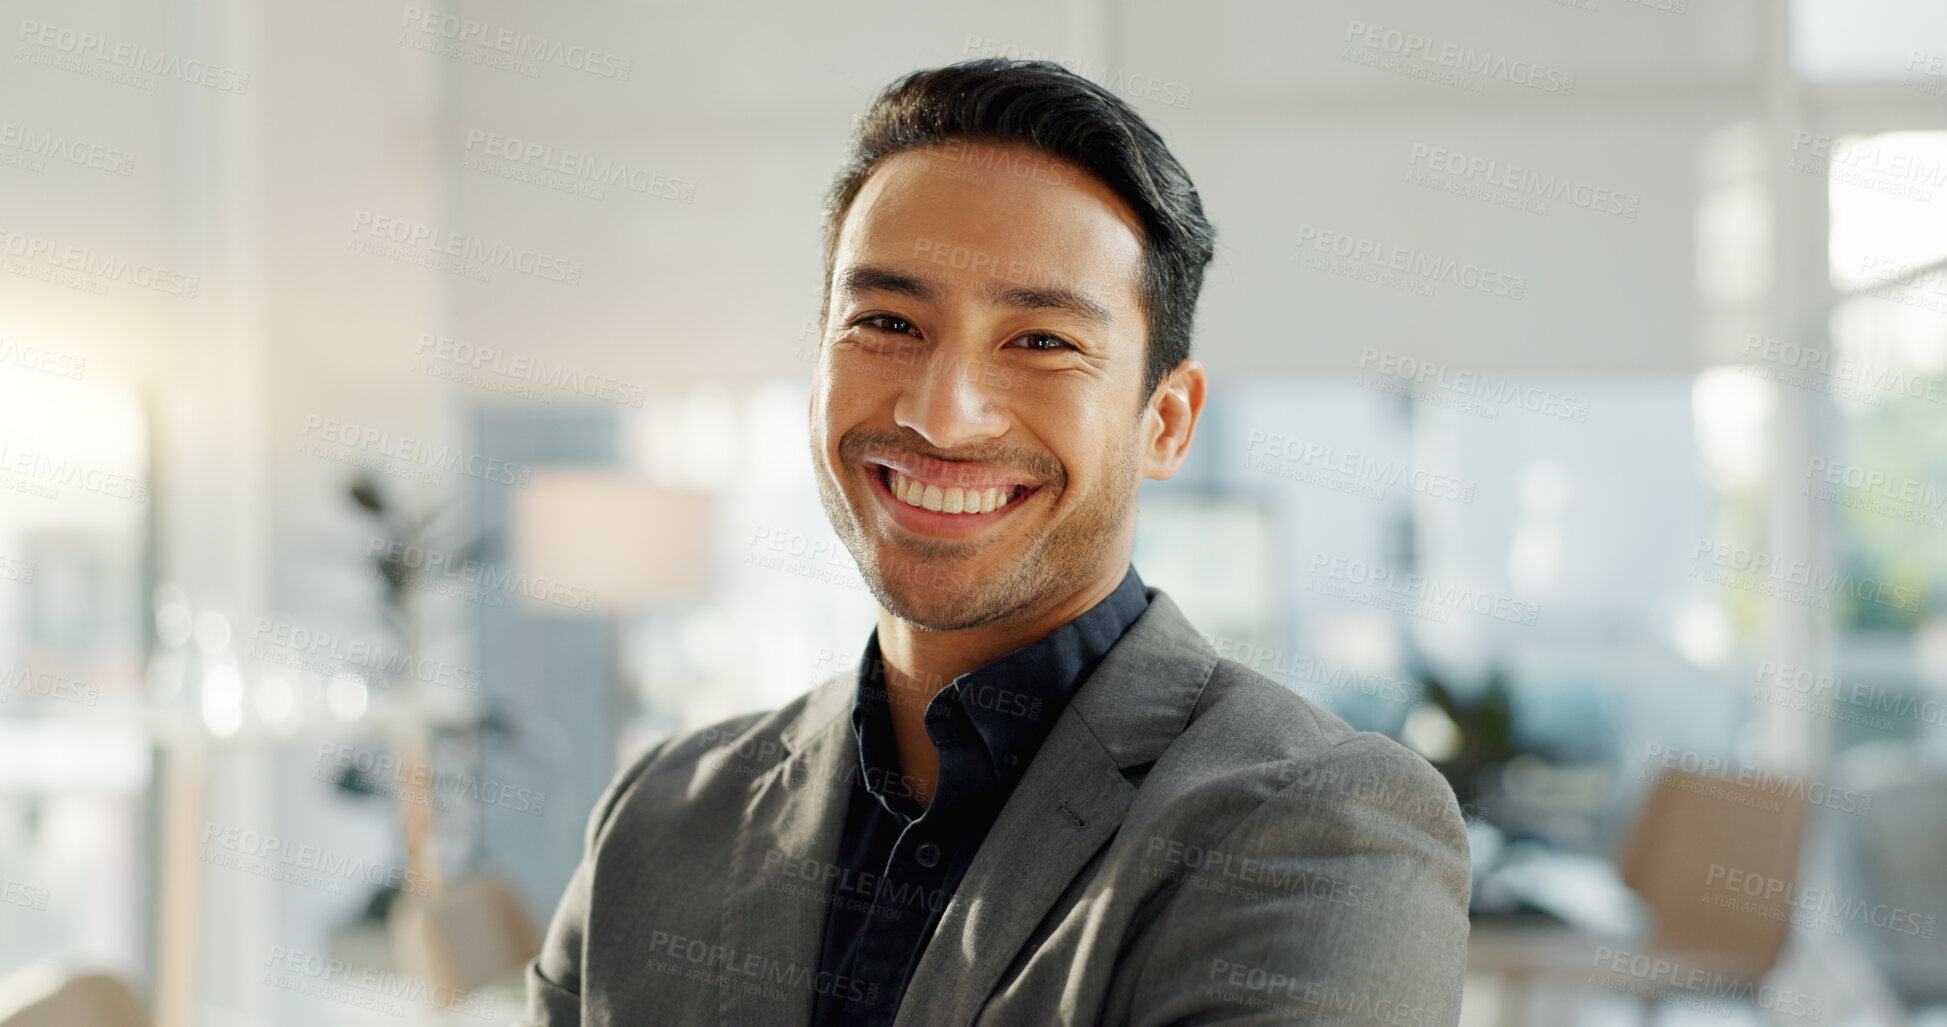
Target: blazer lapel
1071, 800
796, 807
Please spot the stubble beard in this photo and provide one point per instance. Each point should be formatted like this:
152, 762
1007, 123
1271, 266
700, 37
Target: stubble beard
927, 586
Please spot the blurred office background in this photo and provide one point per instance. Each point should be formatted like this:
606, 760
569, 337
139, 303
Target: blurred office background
402, 423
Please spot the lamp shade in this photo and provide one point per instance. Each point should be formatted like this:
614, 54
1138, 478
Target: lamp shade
590, 539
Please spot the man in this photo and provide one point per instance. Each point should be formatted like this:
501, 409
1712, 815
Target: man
1042, 798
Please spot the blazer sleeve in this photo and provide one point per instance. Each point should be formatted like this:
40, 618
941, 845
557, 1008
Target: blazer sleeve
1337, 893
554, 976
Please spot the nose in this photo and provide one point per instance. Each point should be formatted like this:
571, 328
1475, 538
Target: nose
948, 400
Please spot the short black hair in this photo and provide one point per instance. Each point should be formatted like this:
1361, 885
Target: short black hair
1046, 106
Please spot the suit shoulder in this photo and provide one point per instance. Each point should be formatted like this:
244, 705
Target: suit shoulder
691, 762
1274, 715
1256, 736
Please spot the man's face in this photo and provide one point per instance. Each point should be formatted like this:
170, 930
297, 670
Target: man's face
974, 422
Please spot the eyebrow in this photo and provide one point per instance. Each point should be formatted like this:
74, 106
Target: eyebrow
871, 278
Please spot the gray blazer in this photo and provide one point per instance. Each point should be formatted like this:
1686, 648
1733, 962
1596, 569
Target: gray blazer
1194, 843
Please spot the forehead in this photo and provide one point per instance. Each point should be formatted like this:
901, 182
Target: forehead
982, 212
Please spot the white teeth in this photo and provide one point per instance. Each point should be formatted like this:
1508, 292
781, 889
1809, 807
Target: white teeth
951, 500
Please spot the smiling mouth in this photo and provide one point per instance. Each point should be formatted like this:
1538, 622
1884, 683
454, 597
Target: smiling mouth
949, 499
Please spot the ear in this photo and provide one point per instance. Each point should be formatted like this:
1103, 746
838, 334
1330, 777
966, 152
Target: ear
1170, 419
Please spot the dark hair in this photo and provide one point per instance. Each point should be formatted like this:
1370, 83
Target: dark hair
1062, 114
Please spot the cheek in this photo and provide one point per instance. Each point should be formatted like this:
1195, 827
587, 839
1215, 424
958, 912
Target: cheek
1085, 425
853, 386
1073, 440
832, 400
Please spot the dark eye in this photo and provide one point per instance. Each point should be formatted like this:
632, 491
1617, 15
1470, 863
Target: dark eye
1042, 342
887, 323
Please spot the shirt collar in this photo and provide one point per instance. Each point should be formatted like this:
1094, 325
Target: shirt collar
1012, 701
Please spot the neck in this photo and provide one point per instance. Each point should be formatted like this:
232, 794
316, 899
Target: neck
919, 662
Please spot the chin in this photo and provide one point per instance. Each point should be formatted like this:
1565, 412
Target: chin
932, 610
938, 587
933, 592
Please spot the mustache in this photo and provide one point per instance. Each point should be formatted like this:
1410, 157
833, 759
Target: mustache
854, 445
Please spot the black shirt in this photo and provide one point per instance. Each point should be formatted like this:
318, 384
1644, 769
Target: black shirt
898, 864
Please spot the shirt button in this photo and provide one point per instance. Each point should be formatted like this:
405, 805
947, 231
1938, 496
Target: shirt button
928, 854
